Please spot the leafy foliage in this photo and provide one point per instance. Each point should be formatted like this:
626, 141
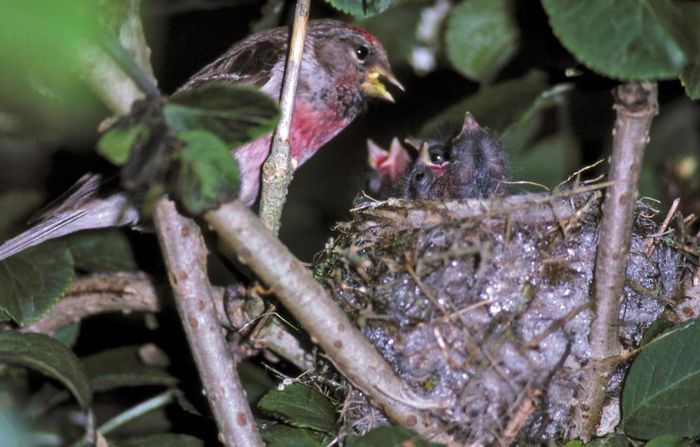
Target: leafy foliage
33, 281
205, 175
361, 8
43, 39
390, 436
102, 251
45, 354
611, 440
169, 439
622, 39
496, 106
480, 38
234, 113
115, 145
183, 146
300, 406
662, 391
122, 367
670, 441
281, 435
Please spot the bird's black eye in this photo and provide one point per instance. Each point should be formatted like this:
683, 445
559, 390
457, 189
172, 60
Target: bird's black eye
361, 52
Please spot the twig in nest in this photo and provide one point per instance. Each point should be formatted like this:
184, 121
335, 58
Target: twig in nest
526, 406
428, 294
662, 229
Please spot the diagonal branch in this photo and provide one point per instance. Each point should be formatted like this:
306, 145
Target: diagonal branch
636, 105
322, 318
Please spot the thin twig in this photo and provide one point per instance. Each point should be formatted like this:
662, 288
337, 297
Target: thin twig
662, 229
636, 105
185, 256
132, 413
278, 169
327, 324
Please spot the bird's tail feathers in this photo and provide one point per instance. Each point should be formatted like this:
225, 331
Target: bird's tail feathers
82, 208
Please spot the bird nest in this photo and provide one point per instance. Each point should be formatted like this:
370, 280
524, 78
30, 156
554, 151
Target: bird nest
484, 305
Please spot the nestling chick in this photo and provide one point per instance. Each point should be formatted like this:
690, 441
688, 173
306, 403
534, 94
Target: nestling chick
470, 166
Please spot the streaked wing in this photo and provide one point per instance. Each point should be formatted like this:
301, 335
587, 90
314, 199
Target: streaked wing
250, 61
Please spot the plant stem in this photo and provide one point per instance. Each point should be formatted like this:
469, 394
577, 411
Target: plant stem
636, 105
132, 413
278, 169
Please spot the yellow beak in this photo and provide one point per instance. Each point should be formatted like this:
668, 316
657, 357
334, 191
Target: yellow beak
373, 85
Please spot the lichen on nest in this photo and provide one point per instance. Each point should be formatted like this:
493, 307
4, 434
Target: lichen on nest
484, 305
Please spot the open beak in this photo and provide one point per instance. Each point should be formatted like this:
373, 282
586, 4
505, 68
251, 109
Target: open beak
373, 85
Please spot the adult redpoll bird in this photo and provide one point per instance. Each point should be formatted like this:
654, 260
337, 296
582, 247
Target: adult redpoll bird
342, 66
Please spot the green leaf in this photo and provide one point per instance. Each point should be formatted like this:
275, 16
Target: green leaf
255, 380
14, 429
674, 133
657, 328
361, 8
481, 37
165, 439
281, 435
384, 436
396, 29
574, 443
234, 113
102, 251
33, 281
50, 357
622, 39
662, 391
495, 107
68, 335
41, 43
670, 441
517, 135
301, 406
206, 175
122, 367
548, 162
610, 440
115, 145
690, 78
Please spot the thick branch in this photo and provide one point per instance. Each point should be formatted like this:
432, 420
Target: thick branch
328, 326
185, 256
278, 169
636, 105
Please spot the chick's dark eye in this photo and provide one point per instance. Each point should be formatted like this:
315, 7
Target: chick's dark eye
361, 52
439, 155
